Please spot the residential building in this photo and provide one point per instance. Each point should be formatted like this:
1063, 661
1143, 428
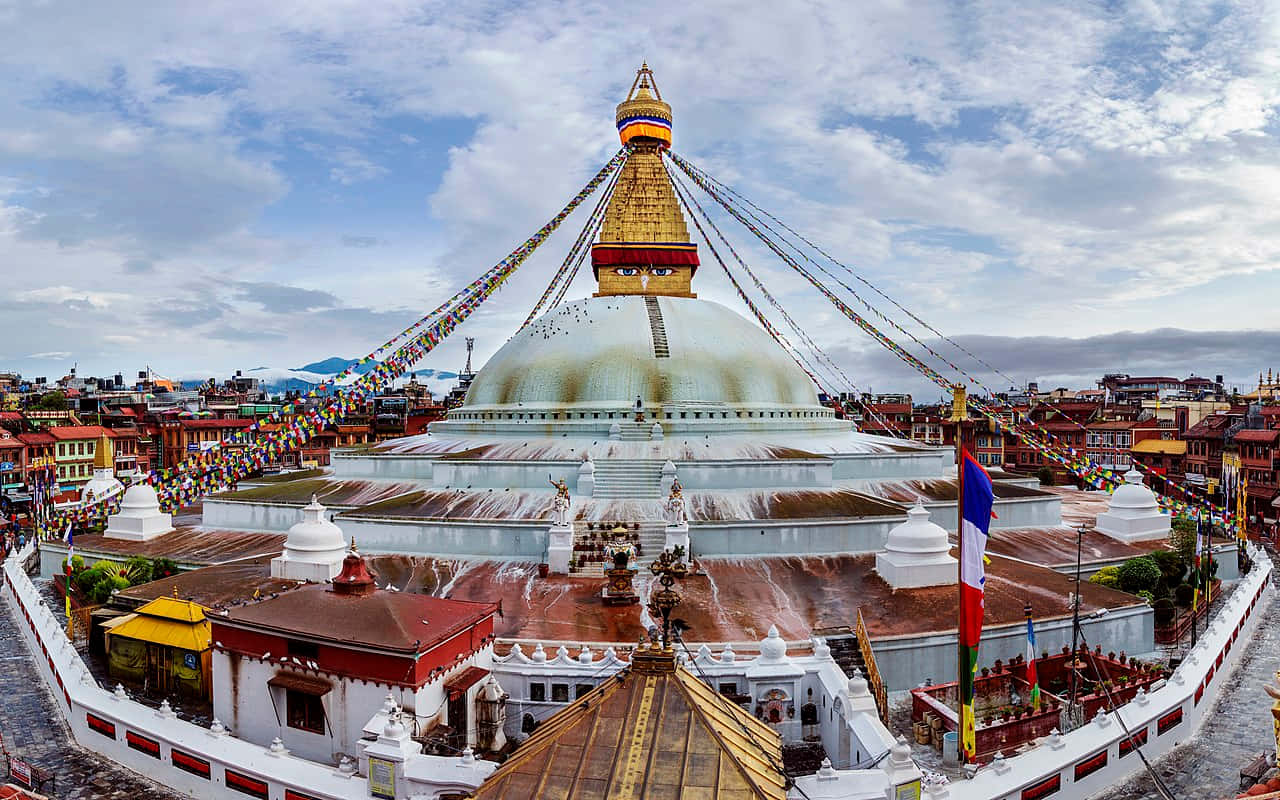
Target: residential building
76, 445
1259, 452
181, 438
1205, 441
1108, 443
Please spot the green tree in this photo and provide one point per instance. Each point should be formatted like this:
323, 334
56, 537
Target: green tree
51, 401
1172, 566
1138, 574
1045, 475
139, 569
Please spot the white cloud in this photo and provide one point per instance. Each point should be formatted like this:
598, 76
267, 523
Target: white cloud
1004, 166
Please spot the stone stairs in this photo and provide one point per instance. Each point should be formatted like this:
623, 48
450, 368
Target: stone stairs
628, 479
656, 327
845, 650
632, 431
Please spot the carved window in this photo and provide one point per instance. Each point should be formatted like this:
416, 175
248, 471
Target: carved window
538, 692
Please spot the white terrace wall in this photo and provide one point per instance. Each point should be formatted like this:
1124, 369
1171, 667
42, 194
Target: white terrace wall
1097, 755
179, 754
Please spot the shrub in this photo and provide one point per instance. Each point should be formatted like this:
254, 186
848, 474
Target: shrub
1183, 595
1139, 573
1163, 611
77, 565
1045, 475
1107, 576
1182, 537
139, 569
1171, 566
163, 568
1148, 597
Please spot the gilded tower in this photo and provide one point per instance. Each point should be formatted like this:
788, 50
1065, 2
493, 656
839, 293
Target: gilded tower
644, 245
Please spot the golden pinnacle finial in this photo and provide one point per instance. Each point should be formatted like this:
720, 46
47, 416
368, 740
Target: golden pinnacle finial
175, 590
353, 544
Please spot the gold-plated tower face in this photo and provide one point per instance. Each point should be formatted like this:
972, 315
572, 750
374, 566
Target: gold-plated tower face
668, 281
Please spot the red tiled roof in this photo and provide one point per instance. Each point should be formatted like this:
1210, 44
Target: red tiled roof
383, 619
66, 432
1211, 427
1258, 436
215, 423
36, 438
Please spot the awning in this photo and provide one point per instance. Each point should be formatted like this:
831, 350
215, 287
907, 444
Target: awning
460, 683
300, 683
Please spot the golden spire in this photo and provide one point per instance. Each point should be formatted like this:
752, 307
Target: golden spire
103, 458
644, 245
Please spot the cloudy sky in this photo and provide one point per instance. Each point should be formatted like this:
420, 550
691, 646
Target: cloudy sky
1065, 188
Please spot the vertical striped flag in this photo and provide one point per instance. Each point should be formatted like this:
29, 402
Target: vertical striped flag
1195, 596
976, 497
71, 551
1033, 680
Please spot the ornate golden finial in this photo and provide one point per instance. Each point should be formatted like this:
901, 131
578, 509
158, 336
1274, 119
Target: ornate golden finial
959, 403
666, 568
353, 544
175, 590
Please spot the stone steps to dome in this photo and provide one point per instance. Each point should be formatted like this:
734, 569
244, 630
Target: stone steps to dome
628, 480
657, 329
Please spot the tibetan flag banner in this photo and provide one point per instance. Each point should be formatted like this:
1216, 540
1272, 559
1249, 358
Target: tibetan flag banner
976, 497
71, 551
1033, 680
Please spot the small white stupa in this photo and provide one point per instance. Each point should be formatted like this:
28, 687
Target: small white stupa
140, 517
1134, 515
103, 484
313, 550
917, 553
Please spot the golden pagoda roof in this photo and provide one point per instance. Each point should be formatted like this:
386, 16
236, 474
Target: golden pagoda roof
103, 457
653, 731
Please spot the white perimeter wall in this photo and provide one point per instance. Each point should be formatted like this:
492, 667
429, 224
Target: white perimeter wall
77, 697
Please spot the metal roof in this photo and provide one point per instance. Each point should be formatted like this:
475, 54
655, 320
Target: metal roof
652, 731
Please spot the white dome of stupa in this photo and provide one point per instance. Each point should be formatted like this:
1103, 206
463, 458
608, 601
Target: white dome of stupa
917, 553
1133, 514
918, 534
313, 550
1133, 493
139, 518
599, 353
140, 497
315, 534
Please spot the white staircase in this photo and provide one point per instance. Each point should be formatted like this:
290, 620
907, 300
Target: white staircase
632, 431
628, 479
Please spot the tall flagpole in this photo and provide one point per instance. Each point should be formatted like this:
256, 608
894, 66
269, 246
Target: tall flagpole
958, 412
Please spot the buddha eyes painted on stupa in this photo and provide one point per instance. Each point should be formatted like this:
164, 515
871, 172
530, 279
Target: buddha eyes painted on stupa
631, 272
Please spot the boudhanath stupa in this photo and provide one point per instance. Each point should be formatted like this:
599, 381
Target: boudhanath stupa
596, 413
615, 445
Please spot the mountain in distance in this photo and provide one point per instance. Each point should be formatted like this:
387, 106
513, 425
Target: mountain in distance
278, 380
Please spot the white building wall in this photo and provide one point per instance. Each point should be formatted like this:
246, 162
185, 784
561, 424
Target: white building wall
256, 712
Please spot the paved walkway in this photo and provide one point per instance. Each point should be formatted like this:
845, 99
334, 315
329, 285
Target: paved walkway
33, 729
1239, 727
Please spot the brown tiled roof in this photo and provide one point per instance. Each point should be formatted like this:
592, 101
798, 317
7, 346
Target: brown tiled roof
652, 731
384, 619
1258, 436
211, 587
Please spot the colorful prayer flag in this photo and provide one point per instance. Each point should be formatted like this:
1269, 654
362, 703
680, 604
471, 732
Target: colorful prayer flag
976, 498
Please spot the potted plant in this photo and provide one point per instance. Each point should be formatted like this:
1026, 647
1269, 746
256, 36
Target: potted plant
573, 564
545, 569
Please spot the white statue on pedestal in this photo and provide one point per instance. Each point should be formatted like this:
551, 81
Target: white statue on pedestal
675, 506
561, 504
